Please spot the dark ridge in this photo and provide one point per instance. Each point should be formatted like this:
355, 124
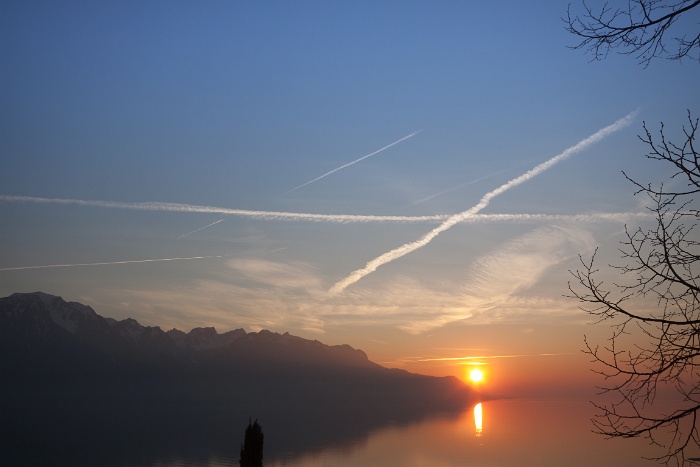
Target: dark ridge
72, 379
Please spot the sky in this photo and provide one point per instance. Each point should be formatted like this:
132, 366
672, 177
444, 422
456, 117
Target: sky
414, 179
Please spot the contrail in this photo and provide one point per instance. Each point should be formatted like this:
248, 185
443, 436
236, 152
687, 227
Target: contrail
329, 218
265, 215
461, 217
201, 228
355, 161
471, 182
46, 266
428, 198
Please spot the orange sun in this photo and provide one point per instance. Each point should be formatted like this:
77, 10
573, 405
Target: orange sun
476, 375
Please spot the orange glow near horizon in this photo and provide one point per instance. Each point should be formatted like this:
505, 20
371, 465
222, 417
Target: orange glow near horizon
507, 371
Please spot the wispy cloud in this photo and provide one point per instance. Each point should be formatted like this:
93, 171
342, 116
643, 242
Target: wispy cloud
259, 293
396, 253
522, 262
497, 282
72, 265
355, 161
276, 274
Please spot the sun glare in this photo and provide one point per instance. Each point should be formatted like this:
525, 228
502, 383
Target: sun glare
476, 375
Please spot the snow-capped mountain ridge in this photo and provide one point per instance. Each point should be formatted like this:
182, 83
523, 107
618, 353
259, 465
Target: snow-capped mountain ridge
40, 316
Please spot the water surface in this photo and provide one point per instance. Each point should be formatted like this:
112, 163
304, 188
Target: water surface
495, 433
516, 432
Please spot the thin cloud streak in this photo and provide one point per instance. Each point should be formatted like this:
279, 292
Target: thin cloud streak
354, 162
484, 202
487, 357
328, 218
46, 266
201, 228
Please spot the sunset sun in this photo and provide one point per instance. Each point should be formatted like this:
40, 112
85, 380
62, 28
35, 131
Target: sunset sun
476, 375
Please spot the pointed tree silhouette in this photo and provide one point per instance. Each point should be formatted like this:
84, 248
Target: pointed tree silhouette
252, 447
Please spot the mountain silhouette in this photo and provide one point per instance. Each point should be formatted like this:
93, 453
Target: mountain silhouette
74, 379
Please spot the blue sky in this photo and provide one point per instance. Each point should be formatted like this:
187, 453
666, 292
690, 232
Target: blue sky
234, 104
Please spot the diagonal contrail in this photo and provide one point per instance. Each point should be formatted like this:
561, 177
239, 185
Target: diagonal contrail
485, 200
201, 228
355, 161
46, 266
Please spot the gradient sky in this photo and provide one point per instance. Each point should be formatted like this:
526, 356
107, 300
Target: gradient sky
238, 105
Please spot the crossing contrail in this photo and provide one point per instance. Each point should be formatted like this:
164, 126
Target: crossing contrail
485, 200
355, 161
327, 218
46, 266
190, 208
201, 228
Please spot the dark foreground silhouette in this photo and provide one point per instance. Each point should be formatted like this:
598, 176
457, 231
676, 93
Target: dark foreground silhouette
79, 389
252, 447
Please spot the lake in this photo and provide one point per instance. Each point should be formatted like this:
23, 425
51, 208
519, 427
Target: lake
514, 432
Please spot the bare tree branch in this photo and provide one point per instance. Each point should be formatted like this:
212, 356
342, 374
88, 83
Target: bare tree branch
654, 312
639, 29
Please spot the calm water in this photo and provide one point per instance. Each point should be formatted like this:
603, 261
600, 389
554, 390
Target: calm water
498, 433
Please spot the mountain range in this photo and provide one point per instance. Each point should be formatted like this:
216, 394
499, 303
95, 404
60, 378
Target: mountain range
67, 372
47, 336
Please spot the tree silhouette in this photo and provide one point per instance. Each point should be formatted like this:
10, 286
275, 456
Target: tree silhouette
640, 29
252, 447
653, 308
653, 305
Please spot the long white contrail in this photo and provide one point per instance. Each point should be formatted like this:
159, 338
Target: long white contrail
461, 217
190, 208
329, 218
46, 266
355, 161
265, 215
201, 228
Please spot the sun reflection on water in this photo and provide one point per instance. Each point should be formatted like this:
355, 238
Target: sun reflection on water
478, 419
